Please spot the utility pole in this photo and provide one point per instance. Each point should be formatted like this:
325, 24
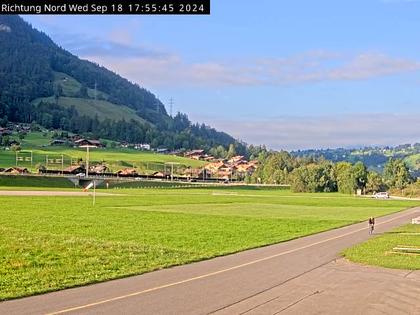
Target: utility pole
171, 106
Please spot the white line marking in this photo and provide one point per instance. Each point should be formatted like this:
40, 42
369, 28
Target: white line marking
217, 272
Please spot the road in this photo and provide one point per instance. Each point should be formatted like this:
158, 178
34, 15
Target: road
302, 276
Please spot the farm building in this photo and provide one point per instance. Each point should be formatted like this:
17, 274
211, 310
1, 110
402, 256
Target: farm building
99, 169
195, 154
74, 169
16, 170
5, 132
127, 172
81, 142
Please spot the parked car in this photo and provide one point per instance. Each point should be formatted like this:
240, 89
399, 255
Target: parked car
381, 195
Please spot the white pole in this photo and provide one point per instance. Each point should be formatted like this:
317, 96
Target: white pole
87, 161
94, 192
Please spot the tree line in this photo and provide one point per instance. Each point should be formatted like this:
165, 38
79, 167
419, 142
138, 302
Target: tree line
309, 174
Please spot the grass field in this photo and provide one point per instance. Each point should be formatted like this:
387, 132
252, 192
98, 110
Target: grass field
116, 159
90, 107
51, 243
379, 250
35, 182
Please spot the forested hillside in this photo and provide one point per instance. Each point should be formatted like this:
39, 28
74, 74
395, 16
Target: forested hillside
43, 83
374, 158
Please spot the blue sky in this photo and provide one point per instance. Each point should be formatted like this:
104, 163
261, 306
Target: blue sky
289, 74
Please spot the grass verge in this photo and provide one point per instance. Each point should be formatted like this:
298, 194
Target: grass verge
382, 250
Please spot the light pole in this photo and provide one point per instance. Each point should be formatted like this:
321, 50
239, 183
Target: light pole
172, 168
87, 146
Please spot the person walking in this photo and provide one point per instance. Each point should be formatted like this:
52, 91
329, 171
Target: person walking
371, 225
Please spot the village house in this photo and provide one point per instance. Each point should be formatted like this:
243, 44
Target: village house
246, 169
236, 166
127, 172
82, 142
99, 169
58, 142
74, 169
237, 159
199, 173
195, 154
215, 166
16, 170
208, 158
5, 132
142, 146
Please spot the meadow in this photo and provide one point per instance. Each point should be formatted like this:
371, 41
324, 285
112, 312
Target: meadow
51, 243
379, 251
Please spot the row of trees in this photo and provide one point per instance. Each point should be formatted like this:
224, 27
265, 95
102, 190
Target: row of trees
308, 174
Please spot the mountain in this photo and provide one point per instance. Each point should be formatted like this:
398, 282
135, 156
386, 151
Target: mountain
43, 83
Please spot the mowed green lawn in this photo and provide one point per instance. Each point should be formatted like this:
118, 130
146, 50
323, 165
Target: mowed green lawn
379, 251
51, 243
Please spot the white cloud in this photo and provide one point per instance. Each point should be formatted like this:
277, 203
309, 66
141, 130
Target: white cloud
170, 70
353, 130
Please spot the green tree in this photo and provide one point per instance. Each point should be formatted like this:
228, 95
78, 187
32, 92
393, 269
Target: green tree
346, 181
374, 182
275, 168
231, 152
396, 174
360, 173
314, 178
218, 152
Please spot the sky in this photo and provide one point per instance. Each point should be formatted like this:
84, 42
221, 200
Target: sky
288, 74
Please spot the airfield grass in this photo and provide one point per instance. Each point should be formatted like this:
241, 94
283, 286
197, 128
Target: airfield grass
51, 243
378, 251
35, 182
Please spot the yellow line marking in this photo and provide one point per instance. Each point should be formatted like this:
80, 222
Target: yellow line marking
216, 272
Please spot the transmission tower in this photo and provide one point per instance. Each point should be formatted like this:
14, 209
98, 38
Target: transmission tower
171, 106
